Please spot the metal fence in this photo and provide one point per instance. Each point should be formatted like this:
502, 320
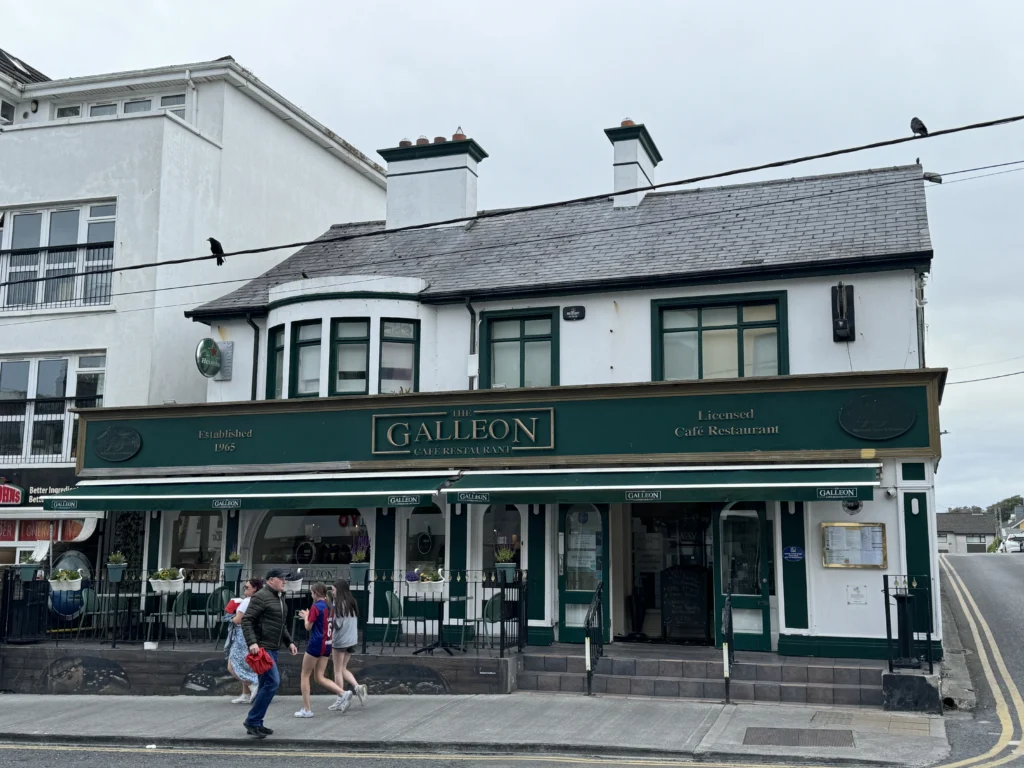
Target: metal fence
912, 599
479, 611
593, 628
41, 430
56, 276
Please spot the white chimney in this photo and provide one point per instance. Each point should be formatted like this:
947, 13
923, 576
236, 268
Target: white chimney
431, 181
633, 162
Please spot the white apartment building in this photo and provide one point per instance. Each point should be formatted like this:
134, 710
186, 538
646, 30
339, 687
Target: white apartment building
128, 169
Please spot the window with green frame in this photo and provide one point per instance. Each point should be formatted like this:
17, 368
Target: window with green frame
399, 356
275, 363
720, 337
305, 362
520, 349
350, 356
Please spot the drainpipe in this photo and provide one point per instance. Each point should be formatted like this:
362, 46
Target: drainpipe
194, 93
255, 352
472, 337
920, 302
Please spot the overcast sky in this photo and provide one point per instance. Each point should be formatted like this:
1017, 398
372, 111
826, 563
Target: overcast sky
719, 85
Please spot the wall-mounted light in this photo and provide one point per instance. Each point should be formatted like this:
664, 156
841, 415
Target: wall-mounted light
34, 106
843, 327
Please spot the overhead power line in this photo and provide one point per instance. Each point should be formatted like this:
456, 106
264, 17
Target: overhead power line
986, 378
548, 206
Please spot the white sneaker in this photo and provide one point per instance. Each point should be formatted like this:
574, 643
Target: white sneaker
336, 704
243, 699
346, 702
362, 693
303, 713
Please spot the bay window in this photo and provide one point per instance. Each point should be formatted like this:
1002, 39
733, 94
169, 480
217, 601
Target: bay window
350, 350
305, 379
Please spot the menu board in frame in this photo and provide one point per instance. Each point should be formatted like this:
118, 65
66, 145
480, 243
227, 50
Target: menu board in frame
853, 545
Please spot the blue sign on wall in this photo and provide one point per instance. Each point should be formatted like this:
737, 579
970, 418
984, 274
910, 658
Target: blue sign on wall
793, 554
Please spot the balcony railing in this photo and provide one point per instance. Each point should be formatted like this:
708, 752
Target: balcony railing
42, 430
46, 278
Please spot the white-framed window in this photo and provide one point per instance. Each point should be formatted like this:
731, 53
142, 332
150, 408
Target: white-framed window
104, 109
36, 394
422, 538
6, 113
976, 538
172, 102
942, 537
69, 110
55, 244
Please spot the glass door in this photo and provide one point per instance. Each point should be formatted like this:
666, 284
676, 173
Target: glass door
742, 571
582, 565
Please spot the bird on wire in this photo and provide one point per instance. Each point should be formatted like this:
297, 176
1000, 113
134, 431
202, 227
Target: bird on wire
918, 127
218, 250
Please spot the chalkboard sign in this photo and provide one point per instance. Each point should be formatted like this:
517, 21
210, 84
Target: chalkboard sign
684, 602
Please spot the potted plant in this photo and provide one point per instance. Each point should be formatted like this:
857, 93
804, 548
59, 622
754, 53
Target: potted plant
66, 581
505, 565
158, 583
233, 567
116, 563
175, 578
360, 560
27, 568
427, 582
295, 585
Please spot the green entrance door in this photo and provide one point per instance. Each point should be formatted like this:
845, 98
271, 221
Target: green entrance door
582, 565
742, 547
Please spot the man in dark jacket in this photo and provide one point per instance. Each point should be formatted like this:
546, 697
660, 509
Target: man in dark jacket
265, 625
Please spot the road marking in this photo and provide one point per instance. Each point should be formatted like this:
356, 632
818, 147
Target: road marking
1018, 702
1002, 711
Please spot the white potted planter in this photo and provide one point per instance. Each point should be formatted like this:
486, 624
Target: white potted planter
291, 587
159, 586
428, 588
67, 585
173, 586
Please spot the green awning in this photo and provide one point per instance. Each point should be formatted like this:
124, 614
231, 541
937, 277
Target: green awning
252, 493
789, 483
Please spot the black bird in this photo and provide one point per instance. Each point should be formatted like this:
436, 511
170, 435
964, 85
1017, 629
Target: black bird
305, 276
918, 127
217, 250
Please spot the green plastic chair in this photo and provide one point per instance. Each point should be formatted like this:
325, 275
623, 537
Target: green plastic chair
181, 609
491, 616
214, 612
395, 618
90, 607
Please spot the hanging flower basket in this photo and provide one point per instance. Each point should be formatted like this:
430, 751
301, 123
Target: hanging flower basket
66, 581
232, 570
27, 571
115, 572
357, 572
293, 586
506, 572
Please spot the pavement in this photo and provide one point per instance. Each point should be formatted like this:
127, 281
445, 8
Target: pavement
534, 723
955, 685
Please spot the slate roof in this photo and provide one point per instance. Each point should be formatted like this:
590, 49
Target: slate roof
832, 222
17, 69
965, 522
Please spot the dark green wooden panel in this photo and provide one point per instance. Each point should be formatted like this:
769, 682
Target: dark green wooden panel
794, 574
383, 558
231, 537
536, 532
918, 554
457, 557
153, 520
913, 470
845, 647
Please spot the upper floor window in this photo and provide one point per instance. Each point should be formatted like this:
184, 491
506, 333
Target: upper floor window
350, 356
73, 110
6, 113
174, 103
275, 363
36, 394
520, 349
399, 356
43, 252
305, 379
719, 337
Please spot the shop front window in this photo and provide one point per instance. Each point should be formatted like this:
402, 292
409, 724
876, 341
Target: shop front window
424, 540
197, 540
502, 529
318, 541
583, 567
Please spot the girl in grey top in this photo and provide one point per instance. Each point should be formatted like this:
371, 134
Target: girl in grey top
345, 637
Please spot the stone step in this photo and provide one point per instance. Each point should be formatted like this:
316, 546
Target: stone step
703, 688
768, 672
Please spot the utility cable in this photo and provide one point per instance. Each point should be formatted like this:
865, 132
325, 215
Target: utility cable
986, 378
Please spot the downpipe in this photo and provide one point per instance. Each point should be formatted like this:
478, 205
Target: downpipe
255, 352
472, 340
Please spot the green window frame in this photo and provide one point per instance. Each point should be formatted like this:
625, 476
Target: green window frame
297, 347
399, 341
705, 321
349, 340
526, 335
275, 366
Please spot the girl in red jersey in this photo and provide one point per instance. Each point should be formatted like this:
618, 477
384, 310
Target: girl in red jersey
318, 650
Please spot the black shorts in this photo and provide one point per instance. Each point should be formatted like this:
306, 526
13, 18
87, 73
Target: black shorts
350, 649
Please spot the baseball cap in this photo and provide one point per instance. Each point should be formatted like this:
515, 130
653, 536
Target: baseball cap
280, 573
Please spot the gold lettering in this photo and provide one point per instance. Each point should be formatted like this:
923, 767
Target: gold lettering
457, 437
423, 430
404, 436
439, 431
479, 429
530, 434
493, 424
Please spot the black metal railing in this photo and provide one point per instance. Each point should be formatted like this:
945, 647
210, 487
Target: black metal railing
56, 276
728, 642
469, 610
593, 629
41, 430
911, 598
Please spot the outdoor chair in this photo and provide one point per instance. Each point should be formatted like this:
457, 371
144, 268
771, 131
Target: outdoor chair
492, 615
214, 612
90, 607
394, 618
181, 609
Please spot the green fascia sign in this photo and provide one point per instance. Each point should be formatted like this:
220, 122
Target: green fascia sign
837, 416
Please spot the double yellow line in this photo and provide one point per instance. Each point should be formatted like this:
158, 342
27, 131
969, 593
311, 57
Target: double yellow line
987, 656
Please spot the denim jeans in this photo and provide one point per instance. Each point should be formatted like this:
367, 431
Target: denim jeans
270, 681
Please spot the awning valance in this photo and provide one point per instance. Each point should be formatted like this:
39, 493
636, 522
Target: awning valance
308, 492
834, 482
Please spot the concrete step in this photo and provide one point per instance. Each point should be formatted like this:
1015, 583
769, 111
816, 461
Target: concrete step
704, 688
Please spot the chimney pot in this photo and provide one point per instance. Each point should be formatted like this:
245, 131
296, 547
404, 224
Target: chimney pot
405, 143
458, 135
422, 140
627, 123
440, 139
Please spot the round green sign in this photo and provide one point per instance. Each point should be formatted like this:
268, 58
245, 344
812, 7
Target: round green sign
208, 358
